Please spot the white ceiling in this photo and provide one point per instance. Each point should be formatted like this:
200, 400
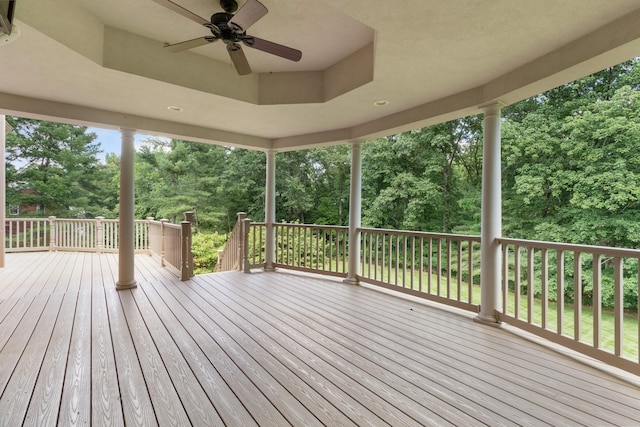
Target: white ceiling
102, 63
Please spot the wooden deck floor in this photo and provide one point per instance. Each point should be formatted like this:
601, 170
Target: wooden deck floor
268, 349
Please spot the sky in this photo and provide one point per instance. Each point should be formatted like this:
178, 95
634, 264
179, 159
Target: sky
110, 141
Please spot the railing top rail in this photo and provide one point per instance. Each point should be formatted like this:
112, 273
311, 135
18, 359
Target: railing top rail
321, 227
601, 250
175, 226
421, 234
67, 219
75, 219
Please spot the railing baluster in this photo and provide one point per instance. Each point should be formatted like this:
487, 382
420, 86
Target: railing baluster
397, 258
322, 245
577, 296
413, 259
530, 284
304, 246
404, 260
560, 292
345, 254
505, 278
390, 263
516, 282
544, 316
430, 264
370, 253
459, 271
597, 300
439, 261
421, 263
384, 257
618, 305
24, 233
449, 249
470, 273
11, 240
377, 264
363, 258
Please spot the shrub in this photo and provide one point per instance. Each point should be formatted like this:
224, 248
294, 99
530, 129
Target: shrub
205, 250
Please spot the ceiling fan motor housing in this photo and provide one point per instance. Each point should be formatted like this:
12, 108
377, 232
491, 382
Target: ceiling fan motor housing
229, 6
222, 29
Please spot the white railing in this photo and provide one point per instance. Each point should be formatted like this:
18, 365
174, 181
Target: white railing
170, 242
171, 245
230, 257
312, 248
253, 246
559, 291
53, 234
27, 234
439, 267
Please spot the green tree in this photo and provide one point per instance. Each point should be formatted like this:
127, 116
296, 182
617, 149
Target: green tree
173, 177
242, 185
424, 179
570, 165
55, 167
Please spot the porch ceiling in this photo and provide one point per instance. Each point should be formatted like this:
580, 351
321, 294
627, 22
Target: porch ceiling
103, 64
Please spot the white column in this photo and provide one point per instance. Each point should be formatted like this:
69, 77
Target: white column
355, 209
3, 185
126, 229
491, 222
270, 211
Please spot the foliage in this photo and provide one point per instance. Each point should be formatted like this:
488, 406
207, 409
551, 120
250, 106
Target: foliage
416, 180
205, 250
571, 165
54, 167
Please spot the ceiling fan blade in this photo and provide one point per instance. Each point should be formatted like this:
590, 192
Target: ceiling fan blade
248, 15
189, 44
184, 12
239, 59
273, 48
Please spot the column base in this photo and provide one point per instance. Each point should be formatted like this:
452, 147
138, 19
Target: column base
487, 320
124, 286
350, 281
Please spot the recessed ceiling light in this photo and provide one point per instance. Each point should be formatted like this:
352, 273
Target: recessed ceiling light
174, 108
381, 103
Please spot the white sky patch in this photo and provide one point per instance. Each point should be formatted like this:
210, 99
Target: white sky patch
110, 141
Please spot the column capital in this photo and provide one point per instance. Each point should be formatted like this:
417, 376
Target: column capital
125, 130
492, 108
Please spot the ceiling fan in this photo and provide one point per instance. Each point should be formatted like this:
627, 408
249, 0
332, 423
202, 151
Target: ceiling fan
231, 29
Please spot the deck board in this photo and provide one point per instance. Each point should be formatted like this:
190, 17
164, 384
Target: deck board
137, 404
106, 406
270, 349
